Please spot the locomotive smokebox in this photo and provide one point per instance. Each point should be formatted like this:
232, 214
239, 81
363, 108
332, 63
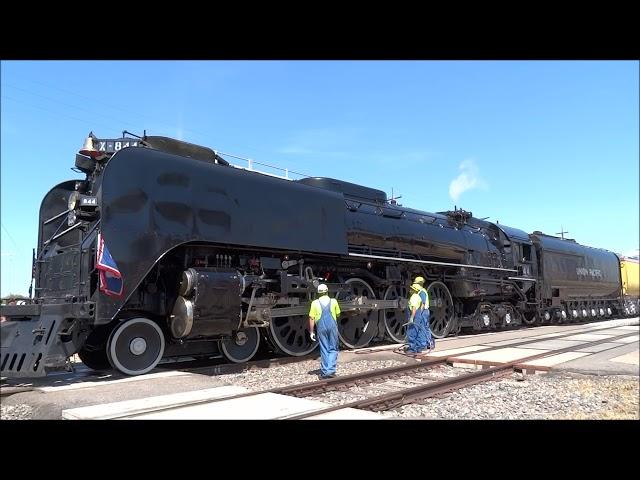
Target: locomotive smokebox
209, 304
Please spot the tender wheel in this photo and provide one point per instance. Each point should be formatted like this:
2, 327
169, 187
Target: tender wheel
136, 346
290, 335
395, 319
242, 346
441, 308
357, 330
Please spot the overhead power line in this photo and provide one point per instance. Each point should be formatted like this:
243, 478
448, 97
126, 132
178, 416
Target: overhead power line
121, 122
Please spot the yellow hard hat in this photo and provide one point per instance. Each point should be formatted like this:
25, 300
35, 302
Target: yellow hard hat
419, 280
416, 287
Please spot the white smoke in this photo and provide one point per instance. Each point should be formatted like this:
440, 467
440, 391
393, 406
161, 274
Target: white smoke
468, 179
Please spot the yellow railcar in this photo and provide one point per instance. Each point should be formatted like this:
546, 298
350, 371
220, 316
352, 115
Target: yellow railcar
630, 274
630, 269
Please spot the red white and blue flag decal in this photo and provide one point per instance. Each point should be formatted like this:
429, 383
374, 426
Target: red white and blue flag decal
110, 278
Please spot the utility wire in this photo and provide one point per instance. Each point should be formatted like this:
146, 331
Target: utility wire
94, 100
11, 238
93, 113
204, 136
56, 113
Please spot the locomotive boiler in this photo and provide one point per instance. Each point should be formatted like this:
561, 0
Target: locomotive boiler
165, 249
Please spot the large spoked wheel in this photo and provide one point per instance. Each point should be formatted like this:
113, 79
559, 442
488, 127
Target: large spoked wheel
357, 330
290, 335
395, 319
242, 346
441, 308
136, 346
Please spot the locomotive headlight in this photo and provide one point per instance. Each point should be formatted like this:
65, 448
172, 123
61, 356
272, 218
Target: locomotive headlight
73, 200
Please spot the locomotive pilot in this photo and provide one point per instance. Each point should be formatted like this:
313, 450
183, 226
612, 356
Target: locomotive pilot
323, 314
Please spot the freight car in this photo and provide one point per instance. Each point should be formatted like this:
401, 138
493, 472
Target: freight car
165, 249
630, 272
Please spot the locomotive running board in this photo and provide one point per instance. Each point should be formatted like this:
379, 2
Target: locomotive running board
410, 260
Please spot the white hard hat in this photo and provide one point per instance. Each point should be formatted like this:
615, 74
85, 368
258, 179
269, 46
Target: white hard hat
322, 288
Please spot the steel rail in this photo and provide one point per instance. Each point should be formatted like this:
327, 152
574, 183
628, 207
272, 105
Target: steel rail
402, 397
333, 383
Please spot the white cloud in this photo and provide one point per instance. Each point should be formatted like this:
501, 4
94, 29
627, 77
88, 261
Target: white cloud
468, 179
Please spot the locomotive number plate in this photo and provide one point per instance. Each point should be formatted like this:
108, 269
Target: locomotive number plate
113, 145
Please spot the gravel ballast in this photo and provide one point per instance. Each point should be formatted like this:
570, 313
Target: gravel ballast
556, 395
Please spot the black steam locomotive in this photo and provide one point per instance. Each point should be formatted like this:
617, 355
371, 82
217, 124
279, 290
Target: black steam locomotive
165, 249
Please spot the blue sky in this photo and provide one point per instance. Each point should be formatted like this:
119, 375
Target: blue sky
533, 144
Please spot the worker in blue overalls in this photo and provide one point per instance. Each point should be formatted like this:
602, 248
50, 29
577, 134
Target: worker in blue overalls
323, 314
424, 296
416, 334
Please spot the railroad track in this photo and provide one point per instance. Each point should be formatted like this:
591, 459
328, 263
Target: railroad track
523, 328
211, 366
208, 367
214, 367
408, 395
422, 384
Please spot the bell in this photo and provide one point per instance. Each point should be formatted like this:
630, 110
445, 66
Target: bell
88, 148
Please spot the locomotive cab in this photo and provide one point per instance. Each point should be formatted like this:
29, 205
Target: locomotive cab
521, 253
